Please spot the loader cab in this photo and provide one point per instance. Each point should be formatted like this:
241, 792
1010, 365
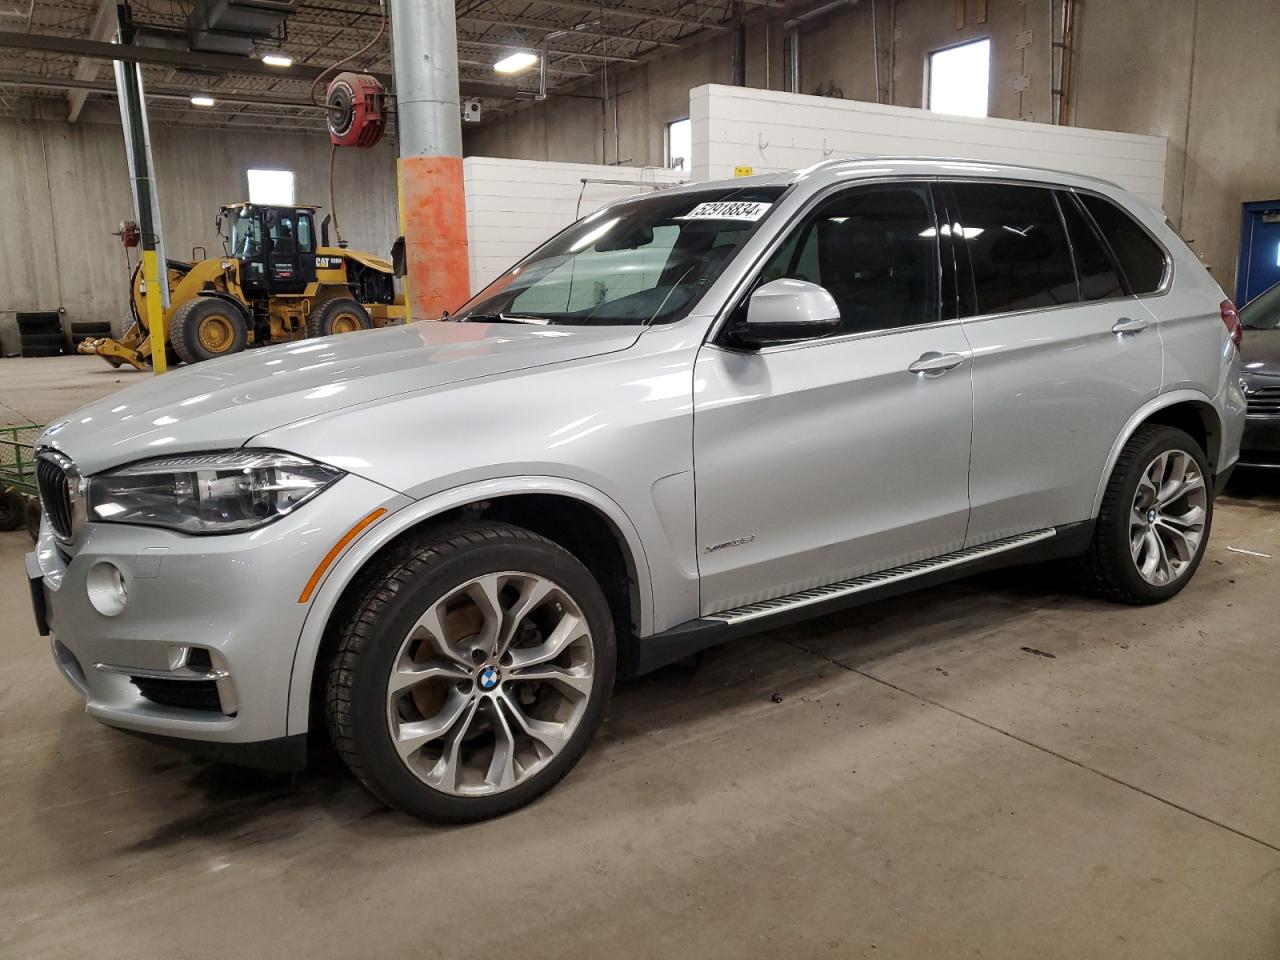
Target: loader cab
276, 247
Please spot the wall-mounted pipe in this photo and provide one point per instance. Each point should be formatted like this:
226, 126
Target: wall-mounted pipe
816, 12
793, 60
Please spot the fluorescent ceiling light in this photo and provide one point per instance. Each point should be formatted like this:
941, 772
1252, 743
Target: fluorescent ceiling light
514, 62
277, 59
202, 101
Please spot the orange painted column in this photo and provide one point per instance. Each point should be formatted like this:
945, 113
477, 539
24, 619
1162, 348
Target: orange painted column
433, 220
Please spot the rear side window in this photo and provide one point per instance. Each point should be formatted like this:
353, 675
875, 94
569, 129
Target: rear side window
1017, 247
1098, 277
1139, 256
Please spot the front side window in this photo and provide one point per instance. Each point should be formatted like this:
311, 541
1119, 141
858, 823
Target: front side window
1017, 247
875, 251
1140, 257
638, 262
246, 234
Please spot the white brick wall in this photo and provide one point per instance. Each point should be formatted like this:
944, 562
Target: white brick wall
772, 131
514, 205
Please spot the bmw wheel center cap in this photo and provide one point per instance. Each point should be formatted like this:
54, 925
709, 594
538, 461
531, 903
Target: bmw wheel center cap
488, 678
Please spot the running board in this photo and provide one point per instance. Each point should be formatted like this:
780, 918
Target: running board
872, 581
643, 654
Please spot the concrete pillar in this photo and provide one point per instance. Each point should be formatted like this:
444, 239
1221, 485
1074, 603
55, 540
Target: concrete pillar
424, 48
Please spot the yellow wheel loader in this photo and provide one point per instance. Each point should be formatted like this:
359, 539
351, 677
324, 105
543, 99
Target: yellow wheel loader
275, 284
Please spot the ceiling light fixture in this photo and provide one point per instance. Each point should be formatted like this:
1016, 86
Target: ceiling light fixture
277, 59
515, 62
202, 101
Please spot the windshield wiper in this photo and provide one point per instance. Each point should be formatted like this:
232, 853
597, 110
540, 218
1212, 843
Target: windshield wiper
502, 318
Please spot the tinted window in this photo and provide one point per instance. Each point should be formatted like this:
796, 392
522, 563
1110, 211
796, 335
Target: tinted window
875, 250
1140, 257
1017, 247
1098, 277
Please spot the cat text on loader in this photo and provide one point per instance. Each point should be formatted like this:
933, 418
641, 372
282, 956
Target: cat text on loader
275, 284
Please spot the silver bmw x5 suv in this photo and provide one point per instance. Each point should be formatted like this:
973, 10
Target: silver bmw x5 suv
693, 414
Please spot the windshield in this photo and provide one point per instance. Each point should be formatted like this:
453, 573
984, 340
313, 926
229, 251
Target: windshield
246, 233
638, 262
1263, 311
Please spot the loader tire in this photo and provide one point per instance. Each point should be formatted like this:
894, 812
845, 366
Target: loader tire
207, 327
342, 315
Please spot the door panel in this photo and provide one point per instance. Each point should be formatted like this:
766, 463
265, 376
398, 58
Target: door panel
827, 461
1056, 375
1052, 391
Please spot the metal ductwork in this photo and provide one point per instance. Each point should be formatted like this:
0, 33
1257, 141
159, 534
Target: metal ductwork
817, 12
236, 26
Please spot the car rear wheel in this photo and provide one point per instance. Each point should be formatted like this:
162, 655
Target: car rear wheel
471, 673
1156, 515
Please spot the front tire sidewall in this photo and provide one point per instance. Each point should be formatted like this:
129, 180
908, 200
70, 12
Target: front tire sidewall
1133, 581
369, 687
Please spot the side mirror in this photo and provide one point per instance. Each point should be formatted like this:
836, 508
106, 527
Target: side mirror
788, 311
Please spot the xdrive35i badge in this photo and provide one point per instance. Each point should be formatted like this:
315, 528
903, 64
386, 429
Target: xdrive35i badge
728, 543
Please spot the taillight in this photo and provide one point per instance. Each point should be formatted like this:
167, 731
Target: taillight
1231, 320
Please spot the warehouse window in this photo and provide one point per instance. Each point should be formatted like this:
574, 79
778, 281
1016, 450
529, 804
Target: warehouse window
679, 144
958, 79
273, 187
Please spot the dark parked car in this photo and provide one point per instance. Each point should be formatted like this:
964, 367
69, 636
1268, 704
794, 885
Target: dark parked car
1260, 352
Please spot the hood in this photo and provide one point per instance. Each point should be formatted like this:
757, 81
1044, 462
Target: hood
221, 404
1260, 353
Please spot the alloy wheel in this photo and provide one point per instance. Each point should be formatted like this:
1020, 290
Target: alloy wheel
490, 683
1167, 519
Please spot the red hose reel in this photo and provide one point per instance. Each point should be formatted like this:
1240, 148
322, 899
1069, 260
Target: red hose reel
356, 110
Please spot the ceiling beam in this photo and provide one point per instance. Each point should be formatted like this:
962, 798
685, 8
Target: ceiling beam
470, 88
595, 10
550, 28
517, 45
103, 28
225, 62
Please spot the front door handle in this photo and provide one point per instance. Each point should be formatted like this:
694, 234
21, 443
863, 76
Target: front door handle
936, 364
1127, 325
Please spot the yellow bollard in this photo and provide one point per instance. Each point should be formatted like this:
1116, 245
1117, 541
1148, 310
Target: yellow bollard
155, 310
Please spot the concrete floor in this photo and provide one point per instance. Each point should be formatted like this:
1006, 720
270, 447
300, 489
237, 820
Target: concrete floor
928, 787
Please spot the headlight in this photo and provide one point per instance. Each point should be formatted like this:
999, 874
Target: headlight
208, 493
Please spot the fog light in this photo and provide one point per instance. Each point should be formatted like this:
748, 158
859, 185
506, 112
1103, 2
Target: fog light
106, 588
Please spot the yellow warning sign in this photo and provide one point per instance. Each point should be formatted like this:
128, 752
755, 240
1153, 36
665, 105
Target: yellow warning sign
743, 171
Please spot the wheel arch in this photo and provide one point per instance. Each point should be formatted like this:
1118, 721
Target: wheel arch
1188, 410
537, 503
231, 299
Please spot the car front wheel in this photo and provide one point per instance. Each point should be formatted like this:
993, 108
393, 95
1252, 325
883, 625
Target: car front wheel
471, 672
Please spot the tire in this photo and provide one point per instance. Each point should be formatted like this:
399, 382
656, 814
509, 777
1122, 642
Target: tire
207, 327
13, 509
43, 340
91, 328
342, 315
1111, 568
41, 351
381, 628
33, 519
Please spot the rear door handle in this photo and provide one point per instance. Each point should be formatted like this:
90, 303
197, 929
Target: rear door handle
1126, 325
936, 364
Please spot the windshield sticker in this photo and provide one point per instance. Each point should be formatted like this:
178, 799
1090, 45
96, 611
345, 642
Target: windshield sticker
727, 210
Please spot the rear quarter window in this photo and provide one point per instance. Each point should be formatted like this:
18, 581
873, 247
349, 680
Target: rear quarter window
1139, 256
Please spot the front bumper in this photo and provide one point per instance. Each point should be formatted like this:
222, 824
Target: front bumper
1260, 445
204, 647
